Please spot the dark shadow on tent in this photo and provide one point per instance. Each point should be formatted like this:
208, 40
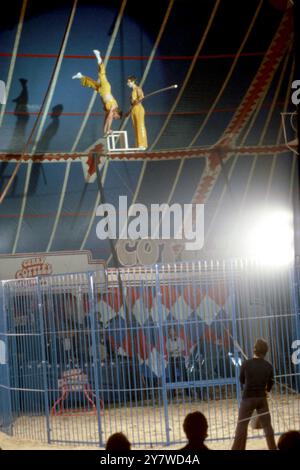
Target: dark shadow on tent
43, 146
17, 142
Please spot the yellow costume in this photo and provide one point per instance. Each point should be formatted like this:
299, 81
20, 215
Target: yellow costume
102, 87
138, 118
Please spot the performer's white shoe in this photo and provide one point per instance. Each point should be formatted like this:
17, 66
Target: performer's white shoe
78, 75
98, 55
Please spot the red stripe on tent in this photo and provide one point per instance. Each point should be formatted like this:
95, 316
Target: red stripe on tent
170, 57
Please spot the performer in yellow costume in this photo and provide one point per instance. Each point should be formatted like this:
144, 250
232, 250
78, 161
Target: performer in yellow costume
138, 113
102, 86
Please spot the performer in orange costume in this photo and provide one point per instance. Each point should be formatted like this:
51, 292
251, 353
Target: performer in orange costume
102, 86
138, 113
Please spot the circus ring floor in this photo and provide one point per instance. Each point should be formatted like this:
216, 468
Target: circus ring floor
147, 423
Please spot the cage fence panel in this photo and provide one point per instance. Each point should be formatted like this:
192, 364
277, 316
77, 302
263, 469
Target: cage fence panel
134, 350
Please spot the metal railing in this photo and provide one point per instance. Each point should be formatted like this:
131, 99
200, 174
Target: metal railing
82, 357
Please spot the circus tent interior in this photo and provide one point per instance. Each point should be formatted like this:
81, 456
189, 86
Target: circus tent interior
217, 139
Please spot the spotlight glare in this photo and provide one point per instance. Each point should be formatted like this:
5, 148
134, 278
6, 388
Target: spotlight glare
270, 240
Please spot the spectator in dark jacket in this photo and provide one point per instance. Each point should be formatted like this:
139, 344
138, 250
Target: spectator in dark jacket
256, 377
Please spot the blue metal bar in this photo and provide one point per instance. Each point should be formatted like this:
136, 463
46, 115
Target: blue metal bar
5, 395
94, 348
42, 333
259, 303
164, 388
295, 301
235, 334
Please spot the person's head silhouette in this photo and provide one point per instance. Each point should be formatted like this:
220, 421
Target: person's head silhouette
289, 441
260, 348
195, 427
118, 441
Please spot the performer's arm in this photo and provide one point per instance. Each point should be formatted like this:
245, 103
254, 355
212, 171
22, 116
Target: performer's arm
139, 96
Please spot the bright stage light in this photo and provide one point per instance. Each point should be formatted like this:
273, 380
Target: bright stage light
270, 239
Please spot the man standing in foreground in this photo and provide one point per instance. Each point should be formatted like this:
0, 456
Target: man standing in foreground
256, 377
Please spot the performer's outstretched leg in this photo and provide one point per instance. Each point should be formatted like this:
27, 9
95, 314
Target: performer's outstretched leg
78, 75
98, 56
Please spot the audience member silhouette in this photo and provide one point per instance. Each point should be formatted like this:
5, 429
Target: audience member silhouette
289, 441
195, 427
118, 441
